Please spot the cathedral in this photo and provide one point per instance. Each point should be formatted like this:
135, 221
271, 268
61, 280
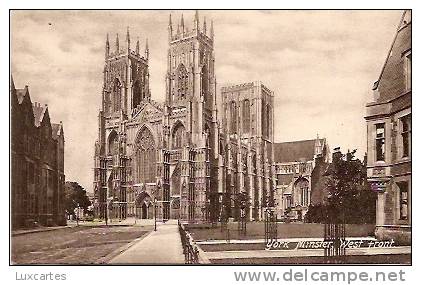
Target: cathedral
193, 156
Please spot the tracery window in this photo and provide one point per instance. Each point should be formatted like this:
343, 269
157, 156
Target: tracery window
182, 82
205, 82
233, 112
113, 143
138, 93
178, 136
116, 95
145, 153
246, 116
267, 120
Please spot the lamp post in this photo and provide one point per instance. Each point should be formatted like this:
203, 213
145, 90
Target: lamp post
155, 204
77, 215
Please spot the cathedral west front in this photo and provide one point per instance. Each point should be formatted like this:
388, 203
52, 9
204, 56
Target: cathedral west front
191, 157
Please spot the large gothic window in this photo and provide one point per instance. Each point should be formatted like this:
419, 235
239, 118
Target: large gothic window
116, 95
145, 155
182, 82
205, 82
137, 93
113, 143
233, 111
178, 136
266, 120
269, 119
246, 116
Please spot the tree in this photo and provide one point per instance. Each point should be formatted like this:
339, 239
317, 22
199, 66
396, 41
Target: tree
74, 195
350, 199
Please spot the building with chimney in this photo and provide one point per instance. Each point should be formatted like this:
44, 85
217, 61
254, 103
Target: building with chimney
37, 163
389, 148
179, 156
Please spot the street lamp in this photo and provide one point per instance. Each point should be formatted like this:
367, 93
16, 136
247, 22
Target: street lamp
155, 205
77, 215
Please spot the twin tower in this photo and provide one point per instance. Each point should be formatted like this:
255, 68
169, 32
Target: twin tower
178, 156
190, 70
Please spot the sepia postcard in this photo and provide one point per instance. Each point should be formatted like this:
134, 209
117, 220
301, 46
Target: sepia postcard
210, 137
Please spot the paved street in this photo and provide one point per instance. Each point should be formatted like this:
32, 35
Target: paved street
163, 246
74, 245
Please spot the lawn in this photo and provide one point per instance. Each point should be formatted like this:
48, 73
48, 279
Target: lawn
256, 230
355, 259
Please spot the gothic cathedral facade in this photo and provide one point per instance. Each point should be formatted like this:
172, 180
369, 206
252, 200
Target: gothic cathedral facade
183, 159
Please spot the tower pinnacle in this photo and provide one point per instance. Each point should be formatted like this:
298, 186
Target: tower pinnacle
211, 31
170, 30
137, 46
196, 20
182, 23
128, 38
147, 49
204, 26
117, 44
107, 47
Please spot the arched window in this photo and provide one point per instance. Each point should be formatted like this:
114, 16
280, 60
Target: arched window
233, 112
138, 93
246, 116
116, 95
205, 83
178, 136
266, 120
182, 82
301, 192
113, 143
145, 163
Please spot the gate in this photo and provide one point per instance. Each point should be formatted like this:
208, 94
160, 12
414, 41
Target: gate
271, 229
334, 233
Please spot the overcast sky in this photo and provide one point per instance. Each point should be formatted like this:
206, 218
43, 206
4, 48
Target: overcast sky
321, 65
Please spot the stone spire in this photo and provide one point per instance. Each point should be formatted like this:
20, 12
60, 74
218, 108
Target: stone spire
204, 26
117, 44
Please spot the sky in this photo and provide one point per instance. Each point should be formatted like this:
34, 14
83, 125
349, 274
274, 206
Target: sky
320, 64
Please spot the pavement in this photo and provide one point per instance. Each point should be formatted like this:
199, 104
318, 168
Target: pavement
162, 246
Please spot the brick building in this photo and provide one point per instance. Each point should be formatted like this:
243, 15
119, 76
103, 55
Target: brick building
388, 120
180, 156
37, 163
297, 166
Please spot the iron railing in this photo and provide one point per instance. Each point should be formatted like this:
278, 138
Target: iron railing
334, 234
190, 250
271, 227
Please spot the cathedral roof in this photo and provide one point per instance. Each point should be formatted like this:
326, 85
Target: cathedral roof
295, 151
